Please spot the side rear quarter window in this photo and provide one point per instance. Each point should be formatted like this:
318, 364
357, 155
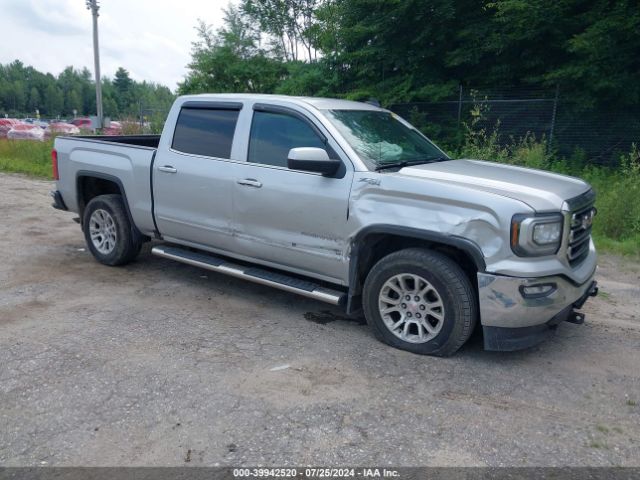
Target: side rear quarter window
274, 134
206, 132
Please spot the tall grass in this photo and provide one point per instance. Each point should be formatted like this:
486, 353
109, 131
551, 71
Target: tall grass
617, 226
26, 156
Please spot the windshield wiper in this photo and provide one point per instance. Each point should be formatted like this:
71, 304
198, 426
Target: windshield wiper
408, 163
391, 165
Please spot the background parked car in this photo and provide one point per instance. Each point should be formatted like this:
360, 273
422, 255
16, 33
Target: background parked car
82, 122
36, 121
115, 128
61, 128
7, 124
26, 131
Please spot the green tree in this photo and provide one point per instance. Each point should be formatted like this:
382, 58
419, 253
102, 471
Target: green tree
289, 23
34, 99
16, 96
123, 85
230, 60
73, 101
310, 79
23, 89
603, 58
122, 81
53, 100
393, 50
110, 107
590, 48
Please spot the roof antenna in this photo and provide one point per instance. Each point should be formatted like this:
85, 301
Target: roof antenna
374, 102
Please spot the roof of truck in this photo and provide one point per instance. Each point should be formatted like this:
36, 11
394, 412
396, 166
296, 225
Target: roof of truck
317, 102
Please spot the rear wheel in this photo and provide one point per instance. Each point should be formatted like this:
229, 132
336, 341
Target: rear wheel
421, 301
108, 231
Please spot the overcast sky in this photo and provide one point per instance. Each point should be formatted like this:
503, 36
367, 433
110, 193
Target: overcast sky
150, 38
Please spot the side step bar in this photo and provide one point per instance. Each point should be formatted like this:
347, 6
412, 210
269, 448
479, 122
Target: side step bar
253, 274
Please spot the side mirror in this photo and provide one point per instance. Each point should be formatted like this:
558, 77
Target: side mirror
312, 159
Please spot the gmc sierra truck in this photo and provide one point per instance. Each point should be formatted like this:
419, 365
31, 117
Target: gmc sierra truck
346, 203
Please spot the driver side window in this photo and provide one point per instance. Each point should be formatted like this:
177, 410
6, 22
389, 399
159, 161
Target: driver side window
274, 134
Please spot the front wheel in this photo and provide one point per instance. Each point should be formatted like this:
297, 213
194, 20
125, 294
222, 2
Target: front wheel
421, 301
108, 231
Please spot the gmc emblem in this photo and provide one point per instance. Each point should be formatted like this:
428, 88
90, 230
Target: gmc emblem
587, 219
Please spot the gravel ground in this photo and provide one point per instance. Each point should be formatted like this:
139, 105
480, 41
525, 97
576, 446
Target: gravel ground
158, 363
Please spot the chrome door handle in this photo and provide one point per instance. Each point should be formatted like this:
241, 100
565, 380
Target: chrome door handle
168, 169
250, 182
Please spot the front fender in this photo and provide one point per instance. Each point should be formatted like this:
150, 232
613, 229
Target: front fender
477, 223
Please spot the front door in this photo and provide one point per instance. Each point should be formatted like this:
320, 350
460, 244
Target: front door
292, 218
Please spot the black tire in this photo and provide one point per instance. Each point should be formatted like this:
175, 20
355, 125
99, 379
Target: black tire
447, 278
127, 242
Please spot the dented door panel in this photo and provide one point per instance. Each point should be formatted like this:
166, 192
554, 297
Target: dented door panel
296, 219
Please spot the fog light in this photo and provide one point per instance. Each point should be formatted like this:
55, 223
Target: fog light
538, 291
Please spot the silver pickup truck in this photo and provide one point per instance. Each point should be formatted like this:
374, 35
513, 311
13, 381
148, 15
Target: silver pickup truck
346, 203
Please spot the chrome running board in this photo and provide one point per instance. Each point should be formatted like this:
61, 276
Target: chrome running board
253, 274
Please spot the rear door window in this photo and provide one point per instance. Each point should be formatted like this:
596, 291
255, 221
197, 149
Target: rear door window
206, 132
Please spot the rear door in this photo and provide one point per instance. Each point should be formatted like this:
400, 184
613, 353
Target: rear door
295, 219
194, 176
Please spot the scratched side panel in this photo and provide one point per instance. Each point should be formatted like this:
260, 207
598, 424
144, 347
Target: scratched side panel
296, 219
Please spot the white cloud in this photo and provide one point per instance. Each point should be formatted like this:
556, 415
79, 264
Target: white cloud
150, 38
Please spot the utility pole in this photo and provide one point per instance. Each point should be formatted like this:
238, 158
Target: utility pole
94, 7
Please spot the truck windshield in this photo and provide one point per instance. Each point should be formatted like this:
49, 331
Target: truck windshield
382, 140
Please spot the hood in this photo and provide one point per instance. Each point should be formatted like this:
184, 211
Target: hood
542, 191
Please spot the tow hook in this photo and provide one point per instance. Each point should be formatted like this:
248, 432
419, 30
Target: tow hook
577, 317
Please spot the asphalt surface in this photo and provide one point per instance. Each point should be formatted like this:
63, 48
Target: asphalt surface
159, 363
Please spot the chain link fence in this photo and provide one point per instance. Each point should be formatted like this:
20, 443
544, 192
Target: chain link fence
593, 135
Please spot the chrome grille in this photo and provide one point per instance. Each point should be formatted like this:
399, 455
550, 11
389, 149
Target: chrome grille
580, 234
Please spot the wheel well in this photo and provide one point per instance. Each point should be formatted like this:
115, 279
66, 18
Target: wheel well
91, 187
378, 245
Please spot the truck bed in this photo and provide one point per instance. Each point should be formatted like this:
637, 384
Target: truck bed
124, 159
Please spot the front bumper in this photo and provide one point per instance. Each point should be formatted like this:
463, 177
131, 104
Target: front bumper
512, 319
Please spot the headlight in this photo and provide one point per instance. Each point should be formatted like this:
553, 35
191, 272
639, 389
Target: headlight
547, 233
536, 235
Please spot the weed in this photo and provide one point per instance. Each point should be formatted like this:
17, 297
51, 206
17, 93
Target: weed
598, 444
25, 156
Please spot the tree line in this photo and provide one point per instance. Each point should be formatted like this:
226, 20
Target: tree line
23, 90
416, 50
391, 50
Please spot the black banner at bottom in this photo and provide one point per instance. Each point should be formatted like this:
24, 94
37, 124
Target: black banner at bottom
284, 473
402, 473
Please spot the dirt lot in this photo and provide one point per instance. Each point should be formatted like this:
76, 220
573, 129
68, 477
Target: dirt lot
164, 364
